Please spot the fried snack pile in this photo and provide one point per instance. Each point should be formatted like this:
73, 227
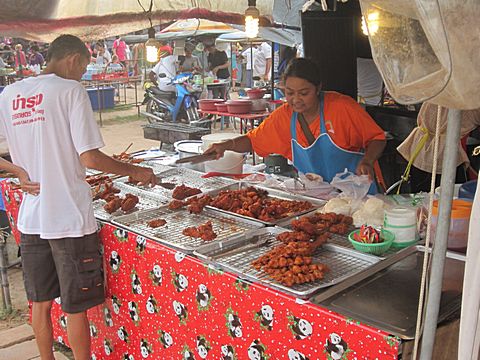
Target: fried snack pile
156, 223
181, 192
195, 204
291, 263
94, 180
255, 203
204, 231
115, 202
103, 190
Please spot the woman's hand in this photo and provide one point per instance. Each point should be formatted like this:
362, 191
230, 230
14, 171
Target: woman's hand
26, 185
218, 149
365, 167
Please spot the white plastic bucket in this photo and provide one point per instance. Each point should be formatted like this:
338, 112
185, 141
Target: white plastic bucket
230, 163
403, 223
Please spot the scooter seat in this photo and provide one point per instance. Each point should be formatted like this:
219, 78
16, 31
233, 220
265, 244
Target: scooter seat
157, 91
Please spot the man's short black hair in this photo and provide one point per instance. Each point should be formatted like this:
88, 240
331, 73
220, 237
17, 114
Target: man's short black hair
65, 45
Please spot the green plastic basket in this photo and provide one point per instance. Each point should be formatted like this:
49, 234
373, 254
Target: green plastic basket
376, 249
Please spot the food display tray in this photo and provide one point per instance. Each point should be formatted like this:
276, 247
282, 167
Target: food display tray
181, 176
224, 225
272, 193
342, 263
145, 202
340, 240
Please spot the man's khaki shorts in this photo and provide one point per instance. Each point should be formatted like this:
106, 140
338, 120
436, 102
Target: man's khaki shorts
70, 268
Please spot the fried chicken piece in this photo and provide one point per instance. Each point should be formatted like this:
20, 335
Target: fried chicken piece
129, 202
181, 192
196, 204
204, 231
132, 181
113, 205
289, 236
156, 223
176, 204
191, 231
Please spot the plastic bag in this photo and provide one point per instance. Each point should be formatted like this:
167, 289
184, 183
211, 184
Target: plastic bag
351, 185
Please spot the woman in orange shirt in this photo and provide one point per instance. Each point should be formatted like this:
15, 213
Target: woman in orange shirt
321, 132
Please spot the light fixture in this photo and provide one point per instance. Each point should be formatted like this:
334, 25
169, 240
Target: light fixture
251, 19
152, 46
370, 24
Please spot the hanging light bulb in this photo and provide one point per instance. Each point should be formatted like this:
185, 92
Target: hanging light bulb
152, 46
251, 19
370, 25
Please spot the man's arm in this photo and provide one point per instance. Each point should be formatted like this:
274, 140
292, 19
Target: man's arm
267, 69
153, 77
95, 159
25, 183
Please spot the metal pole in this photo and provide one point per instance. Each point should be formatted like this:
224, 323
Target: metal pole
447, 183
251, 65
272, 73
7, 301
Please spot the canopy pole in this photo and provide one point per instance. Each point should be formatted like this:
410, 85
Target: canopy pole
251, 64
272, 73
447, 184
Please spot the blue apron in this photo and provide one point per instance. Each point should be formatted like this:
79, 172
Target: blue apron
323, 157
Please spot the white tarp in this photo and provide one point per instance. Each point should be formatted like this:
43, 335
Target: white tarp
427, 49
44, 20
280, 36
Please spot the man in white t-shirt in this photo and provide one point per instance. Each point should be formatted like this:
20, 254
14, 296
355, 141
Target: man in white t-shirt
163, 73
53, 136
247, 56
262, 61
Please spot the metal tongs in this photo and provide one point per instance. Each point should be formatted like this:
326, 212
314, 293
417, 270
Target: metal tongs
297, 180
196, 159
256, 241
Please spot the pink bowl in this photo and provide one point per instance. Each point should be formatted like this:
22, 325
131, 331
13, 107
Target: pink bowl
209, 104
221, 107
255, 93
239, 106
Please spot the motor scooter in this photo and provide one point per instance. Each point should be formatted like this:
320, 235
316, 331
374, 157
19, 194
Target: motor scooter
173, 106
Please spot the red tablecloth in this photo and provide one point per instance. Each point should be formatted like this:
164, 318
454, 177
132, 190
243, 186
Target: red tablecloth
164, 305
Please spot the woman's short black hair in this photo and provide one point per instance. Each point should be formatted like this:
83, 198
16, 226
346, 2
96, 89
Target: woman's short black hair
305, 69
65, 45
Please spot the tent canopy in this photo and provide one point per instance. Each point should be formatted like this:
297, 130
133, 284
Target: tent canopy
44, 20
281, 36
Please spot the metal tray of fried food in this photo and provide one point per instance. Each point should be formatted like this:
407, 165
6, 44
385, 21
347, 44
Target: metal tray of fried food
181, 176
145, 202
337, 239
224, 225
272, 193
236, 256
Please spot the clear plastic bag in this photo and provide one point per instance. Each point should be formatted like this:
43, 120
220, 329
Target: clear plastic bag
351, 185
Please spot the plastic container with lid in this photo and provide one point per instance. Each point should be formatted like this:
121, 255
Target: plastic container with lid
459, 224
230, 163
402, 221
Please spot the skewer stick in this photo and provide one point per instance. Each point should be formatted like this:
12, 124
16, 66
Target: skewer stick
128, 148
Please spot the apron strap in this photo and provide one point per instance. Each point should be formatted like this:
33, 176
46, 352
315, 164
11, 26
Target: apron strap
323, 129
293, 126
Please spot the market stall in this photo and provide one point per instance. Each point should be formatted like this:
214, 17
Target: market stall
170, 295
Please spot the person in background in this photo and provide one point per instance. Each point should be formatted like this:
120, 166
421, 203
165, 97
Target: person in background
103, 56
114, 65
20, 58
286, 56
35, 57
163, 73
247, 55
164, 50
9, 56
139, 58
188, 62
262, 62
421, 141
218, 64
321, 132
120, 49
51, 148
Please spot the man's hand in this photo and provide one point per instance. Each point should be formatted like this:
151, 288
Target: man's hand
145, 175
26, 185
365, 167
